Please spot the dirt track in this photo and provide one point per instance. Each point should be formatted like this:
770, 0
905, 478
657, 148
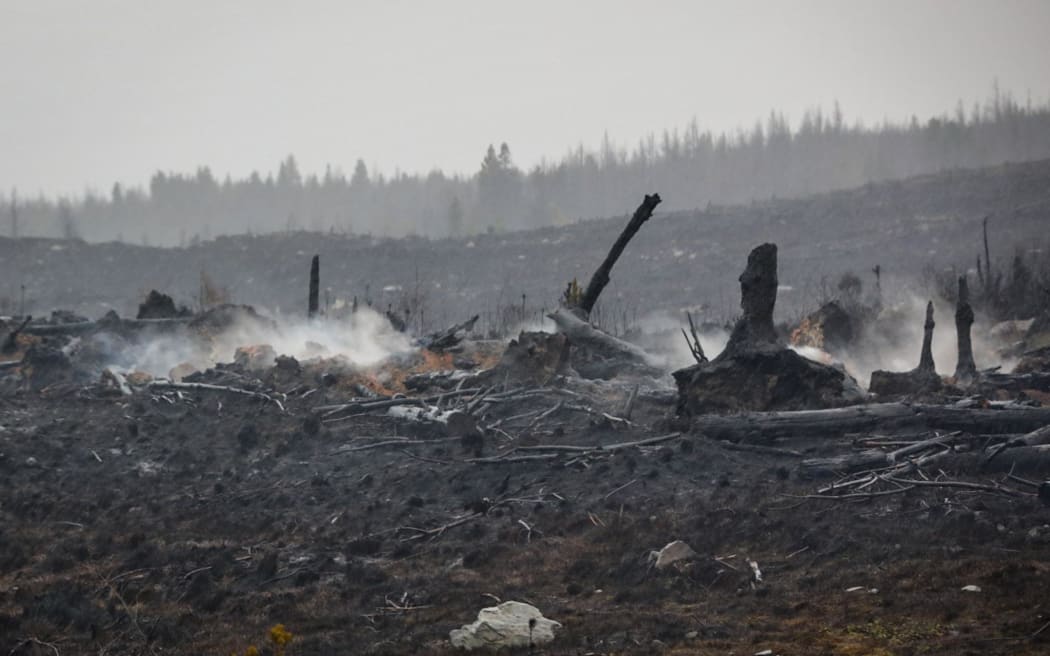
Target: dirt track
164, 525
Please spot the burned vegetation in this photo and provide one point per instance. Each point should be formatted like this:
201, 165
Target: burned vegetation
558, 492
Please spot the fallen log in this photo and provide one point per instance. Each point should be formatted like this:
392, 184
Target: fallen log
1039, 381
1038, 437
449, 337
83, 327
881, 417
873, 458
584, 334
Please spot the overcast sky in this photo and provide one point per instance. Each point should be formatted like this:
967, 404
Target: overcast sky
106, 90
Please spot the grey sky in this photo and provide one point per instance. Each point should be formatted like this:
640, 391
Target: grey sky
106, 90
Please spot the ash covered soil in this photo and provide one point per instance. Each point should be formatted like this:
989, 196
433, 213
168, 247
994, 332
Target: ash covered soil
138, 517
180, 521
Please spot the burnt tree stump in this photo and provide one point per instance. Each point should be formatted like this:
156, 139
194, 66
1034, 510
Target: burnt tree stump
756, 371
315, 287
920, 380
758, 296
965, 369
926, 357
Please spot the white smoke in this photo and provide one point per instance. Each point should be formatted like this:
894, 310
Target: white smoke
893, 342
661, 335
362, 338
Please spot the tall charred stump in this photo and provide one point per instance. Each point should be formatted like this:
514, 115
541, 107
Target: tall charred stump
758, 296
755, 371
926, 357
965, 369
315, 287
920, 380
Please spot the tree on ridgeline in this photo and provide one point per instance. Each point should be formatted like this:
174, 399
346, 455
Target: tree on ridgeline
692, 167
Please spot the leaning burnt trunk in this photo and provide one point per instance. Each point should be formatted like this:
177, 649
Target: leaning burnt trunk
601, 275
597, 353
965, 369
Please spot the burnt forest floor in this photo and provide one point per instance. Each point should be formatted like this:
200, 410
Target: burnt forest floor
193, 522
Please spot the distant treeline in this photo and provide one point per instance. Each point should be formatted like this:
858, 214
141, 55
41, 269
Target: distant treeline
690, 168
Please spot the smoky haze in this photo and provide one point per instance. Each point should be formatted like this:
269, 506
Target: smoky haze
165, 122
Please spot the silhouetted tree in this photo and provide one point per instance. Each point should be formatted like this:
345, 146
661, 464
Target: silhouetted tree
691, 167
455, 217
14, 214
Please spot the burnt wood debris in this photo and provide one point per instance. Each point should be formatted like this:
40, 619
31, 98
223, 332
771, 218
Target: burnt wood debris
472, 458
756, 371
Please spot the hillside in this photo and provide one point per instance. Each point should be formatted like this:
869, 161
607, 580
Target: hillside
678, 260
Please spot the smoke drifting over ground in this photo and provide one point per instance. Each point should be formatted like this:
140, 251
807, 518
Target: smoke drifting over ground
363, 338
893, 341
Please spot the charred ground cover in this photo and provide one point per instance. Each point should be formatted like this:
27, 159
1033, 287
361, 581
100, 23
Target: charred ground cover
376, 507
193, 522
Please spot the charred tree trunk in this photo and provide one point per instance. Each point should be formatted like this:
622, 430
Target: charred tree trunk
965, 370
926, 357
758, 296
920, 380
315, 287
756, 371
988, 274
601, 276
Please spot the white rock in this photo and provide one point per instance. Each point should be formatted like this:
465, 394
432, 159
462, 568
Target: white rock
672, 553
971, 588
505, 625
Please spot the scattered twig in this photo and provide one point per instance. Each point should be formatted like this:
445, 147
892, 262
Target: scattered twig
422, 533
622, 487
165, 384
758, 448
693, 340
34, 641
628, 407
